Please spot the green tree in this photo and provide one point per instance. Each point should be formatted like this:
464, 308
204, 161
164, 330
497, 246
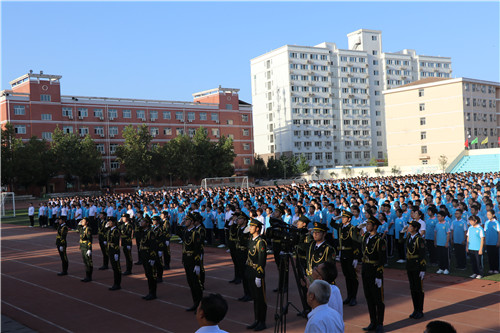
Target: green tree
135, 153
274, 167
373, 162
347, 170
9, 145
223, 157
90, 160
34, 163
258, 169
303, 164
180, 151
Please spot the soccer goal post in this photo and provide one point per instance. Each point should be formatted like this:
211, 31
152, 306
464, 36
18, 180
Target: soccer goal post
237, 181
7, 197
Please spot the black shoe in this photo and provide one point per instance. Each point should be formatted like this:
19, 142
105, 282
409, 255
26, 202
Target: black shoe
418, 315
138, 263
193, 308
245, 298
127, 273
159, 280
115, 287
346, 301
413, 314
379, 329
260, 327
370, 327
149, 297
275, 290
237, 281
232, 281
86, 279
62, 273
103, 267
353, 302
167, 267
250, 327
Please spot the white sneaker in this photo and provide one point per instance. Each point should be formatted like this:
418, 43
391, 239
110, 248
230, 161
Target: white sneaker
495, 272
221, 246
473, 276
490, 272
479, 277
228, 250
440, 271
400, 261
446, 272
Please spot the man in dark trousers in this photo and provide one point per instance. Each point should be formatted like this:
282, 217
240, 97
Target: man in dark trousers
160, 247
349, 248
126, 235
62, 232
166, 228
102, 232
242, 253
147, 255
113, 243
416, 267
86, 248
373, 248
138, 233
191, 258
255, 274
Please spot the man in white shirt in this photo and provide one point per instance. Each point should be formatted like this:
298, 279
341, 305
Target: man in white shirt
31, 215
327, 271
210, 313
322, 318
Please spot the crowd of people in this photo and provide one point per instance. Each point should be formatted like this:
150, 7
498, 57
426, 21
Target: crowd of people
423, 220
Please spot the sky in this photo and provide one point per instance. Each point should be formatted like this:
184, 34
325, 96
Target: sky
170, 50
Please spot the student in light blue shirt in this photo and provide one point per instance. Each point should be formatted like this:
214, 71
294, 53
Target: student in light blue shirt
475, 246
442, 242
458, 229
399, 224
430, 223
492, 240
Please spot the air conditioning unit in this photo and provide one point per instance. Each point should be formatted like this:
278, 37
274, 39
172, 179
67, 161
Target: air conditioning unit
80, 117
82, 134
102, 135
153, 135
217, 122
153, 119
143, 119
101, 118
103, 169
111, 135
190, 120
70, 117
111, 118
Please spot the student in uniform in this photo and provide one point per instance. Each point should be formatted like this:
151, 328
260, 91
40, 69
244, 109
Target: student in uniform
492, 241
458, 230
475, 246
442, 243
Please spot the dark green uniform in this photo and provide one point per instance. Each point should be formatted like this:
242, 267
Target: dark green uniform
303, 245
148, 257
160, 250
202, 231
62, 232
138, 234
166, 251
416, 263
374, 258
113, 243
317, 255
242, 239
102, 233
191, 257
255, 268
350, 250
231, 244
126, 235
85, 246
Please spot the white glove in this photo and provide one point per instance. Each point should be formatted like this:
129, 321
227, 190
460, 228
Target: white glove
160, 253
422, 275
152, 262
258, 282
61, 249
378, 283
167, 243
89, 253
196, 270
354, 263
105, 243
116, 257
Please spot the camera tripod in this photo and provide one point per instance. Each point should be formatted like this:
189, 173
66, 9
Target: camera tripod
282, 302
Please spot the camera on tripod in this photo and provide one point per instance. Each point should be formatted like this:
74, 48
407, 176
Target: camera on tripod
288, 235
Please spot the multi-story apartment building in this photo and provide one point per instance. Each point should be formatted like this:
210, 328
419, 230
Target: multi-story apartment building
327, 103
35, 107
434, 116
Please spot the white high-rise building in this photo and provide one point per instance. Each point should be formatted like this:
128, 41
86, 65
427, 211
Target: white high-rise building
327, 103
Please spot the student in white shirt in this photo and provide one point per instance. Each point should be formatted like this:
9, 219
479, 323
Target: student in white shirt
327, 271
322, 318
31, 215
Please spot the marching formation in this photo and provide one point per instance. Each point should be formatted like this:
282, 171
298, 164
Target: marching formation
422, 219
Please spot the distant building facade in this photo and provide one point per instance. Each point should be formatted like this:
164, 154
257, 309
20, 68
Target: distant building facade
35, 107
433, 117
327, 103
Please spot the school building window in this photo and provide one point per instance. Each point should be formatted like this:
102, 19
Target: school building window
179, 115
113, 130
141, 114
67, 129
99, 130
100, 147
112, 114
98, 113
46, 116
47, 135
167, 115
19, 110
45, 98
423, 149
246, 161
20, 129
214, 117
244, 117
127, 113
153, 115
203, 116
67, 112
115, 165
83, 112
167, 131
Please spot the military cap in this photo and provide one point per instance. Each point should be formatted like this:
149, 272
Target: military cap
148, 218
243, 216
148, 221
164, 212
304, 219
372, 219
318, 226
256, 223
415, 224
280, 209
347, 214
103, 213
111, 218
156, 218
125, 215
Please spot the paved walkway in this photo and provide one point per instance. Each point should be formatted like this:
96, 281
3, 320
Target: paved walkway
9, 325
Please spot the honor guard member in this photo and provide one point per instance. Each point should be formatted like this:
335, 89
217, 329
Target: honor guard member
191, 258
86, 247
113, 243
166, 228
62, 232
255, 274
319, 250
373, 248
349, 247
202, 231
101, 234
160, 247
242, 239
276, 243
231, 244
147, 255
138, 232
416, 267
305, 240
126, 235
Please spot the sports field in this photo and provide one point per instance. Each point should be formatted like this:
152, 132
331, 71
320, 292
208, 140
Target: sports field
35, 296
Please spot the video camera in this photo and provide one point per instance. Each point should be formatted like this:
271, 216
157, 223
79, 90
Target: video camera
288, 235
